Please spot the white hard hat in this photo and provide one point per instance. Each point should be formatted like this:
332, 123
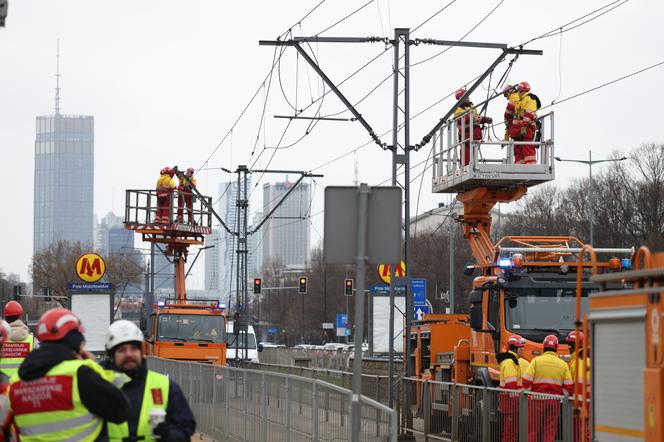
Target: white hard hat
122, 331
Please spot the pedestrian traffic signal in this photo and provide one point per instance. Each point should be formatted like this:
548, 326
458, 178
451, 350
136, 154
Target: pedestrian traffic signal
257, 286
302, 287
348, 287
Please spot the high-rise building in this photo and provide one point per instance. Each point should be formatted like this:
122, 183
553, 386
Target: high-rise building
212, 261
286, 236
228, 243
64, 178
255, 248
108, 222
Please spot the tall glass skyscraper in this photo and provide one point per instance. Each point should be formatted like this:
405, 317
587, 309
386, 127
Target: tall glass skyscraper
64, 180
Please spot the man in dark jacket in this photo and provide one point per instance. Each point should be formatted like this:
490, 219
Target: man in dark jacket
123, 344
73, 410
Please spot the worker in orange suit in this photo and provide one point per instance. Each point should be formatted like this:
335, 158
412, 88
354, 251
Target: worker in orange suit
510, 379
466, 130
512, 96
185, 197
523, 126
165, 186
579, 366
546, 374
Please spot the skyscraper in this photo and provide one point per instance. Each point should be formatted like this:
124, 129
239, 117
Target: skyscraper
102, 230
227, 243
64, 177
286, 236
255, 248
212, 261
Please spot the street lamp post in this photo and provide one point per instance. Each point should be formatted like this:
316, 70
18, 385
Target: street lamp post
590, 163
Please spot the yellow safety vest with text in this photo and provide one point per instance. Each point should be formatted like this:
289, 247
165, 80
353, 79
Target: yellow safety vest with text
50, 408
155, 395
14, 353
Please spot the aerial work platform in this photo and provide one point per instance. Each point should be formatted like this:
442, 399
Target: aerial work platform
183, 225
490, 163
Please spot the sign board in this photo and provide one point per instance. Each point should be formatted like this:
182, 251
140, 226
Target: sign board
385, 271
272, 330
341, 215
381, 323
327, 326
341, 331
90, 267
342, 320
88, 287
419, 288
420, 310
384, 289
95, 311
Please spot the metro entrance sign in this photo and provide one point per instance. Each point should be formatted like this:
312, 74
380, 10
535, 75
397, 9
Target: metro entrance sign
385, 271
418, 287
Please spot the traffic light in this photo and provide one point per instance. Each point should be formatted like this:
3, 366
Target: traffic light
302, 286
257, 286
348, 287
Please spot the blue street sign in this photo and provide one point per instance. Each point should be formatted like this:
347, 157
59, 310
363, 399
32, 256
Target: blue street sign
384, 289
272, 330
419, 311
342, 320
89, 286
419, 288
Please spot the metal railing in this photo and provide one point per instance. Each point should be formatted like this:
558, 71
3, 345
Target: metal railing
454, 412
249, 405
180, 208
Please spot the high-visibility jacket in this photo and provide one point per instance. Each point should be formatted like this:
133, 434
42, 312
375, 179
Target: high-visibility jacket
13, 353
50, 408
548, 374
576, 367
523, 364
512, 100
155, 396
525, 112
165, 184
187, 183
510, 371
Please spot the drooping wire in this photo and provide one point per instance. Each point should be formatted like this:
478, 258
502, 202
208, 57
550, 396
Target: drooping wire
560, 69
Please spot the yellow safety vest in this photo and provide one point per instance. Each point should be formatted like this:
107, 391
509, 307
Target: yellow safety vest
14, 353
154, 396
50, 408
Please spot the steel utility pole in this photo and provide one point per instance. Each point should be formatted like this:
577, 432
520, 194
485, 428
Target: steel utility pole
590, 162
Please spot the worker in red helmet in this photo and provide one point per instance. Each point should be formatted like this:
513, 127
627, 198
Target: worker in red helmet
469, 124
185, 194
512, 96
6, 433
579, 366
20, 341
547, 374
510, 379
75, 395
524, 125
165, 186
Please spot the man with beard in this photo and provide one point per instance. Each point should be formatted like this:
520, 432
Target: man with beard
147, 391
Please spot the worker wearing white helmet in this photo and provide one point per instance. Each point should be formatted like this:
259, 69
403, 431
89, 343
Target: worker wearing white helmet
148, 391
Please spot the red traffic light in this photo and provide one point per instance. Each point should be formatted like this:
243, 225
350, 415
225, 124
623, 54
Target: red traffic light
348, 287
257, 286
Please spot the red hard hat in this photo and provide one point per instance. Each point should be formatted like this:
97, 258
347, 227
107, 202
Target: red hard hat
516, 340
190, 170
171, 172
13, 308
5, 330
524, 86
575, 336
507, 89
551, 341
459, 93
165, 171
56, 323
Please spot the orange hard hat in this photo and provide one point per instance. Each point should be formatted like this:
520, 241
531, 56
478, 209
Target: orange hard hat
13, 308
459, 93
56, 323
551, 341
516, 340
575, 336
5, 330
524, 86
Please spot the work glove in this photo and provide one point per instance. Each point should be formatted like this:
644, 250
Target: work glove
523, 131
487, 120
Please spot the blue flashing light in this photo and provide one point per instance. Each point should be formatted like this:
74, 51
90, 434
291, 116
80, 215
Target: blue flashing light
626, 263
221, 305
505, 263
161, 303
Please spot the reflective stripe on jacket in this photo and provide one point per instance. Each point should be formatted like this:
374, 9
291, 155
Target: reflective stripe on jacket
548, 374
512, 100
59, 414
510, 372
525, 112
576, 367
155, 396
14, 353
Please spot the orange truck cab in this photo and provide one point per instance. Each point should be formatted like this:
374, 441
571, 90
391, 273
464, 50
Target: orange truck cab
191, 331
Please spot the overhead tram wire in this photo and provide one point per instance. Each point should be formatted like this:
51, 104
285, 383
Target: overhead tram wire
345, 18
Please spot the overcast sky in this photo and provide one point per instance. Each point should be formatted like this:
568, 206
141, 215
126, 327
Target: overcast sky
165, 81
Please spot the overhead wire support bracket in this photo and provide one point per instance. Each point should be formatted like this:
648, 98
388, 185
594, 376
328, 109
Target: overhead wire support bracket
468, 44
297, 117
480, 79
326, 79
